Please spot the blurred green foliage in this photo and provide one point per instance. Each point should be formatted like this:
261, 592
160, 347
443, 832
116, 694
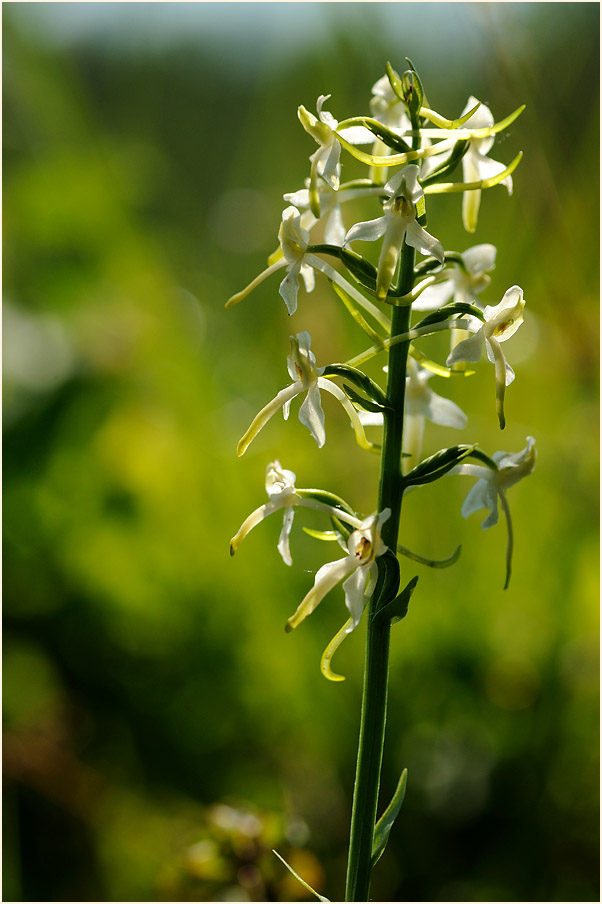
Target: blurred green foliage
147, 678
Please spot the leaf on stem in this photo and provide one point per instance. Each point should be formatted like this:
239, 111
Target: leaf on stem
397, 608
437, 465
384, 825
450, 310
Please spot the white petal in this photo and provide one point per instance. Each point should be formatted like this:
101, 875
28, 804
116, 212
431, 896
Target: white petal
327, 577
312, 416
482, 495
479, 259
283, 542
354, 588
445, 412
423, 241
435, 296
367, 231
468, 350
282, 400
334, 230
289, 288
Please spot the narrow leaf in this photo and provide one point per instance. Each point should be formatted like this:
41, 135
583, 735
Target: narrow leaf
384, 825
450, 310
327, 498
361, 380
397, 608
361, 401
437, 465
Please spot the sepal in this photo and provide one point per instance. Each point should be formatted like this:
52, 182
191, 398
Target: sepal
383, 827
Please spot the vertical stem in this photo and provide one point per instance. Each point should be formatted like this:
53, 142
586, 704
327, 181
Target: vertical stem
376, 672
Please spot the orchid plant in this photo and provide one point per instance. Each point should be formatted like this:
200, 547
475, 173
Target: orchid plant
413, 154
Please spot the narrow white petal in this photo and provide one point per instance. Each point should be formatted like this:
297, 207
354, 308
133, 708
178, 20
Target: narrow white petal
445, 412
327, 577
468, 350
367, 231
434, 297
260, 420
312, 415
354, 588
284, 540
252, 521
423, 241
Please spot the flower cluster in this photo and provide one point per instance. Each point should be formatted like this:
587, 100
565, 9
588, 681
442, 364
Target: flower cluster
414, 152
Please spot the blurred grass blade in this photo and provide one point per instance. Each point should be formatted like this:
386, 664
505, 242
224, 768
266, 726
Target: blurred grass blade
299, 879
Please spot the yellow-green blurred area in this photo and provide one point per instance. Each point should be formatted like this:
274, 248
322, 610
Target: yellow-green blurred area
162, 733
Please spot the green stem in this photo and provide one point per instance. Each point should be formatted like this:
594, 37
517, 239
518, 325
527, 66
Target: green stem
376, 673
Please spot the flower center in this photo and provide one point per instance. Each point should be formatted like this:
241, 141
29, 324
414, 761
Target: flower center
502, 327
363, 550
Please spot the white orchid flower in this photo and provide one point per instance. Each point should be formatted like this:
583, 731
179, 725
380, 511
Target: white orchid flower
330, 208
476, 165
501, 322
355, 569
421, 404
300, 264
492, 485
280, 487
325, 162
460, 283
307, 378
397, 223
294, 240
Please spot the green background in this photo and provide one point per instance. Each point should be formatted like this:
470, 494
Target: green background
162, 733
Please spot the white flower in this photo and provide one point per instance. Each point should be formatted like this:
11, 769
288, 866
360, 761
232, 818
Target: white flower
307, 378
280, 487
330, 208
324, 161
294, 240
501, 322
397, 223
462, 284
422, 404
492, 485
476, 165
364, 545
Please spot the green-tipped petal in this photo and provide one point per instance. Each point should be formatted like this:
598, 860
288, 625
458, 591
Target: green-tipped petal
261, 419
258, 279
327, 577
440, 188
